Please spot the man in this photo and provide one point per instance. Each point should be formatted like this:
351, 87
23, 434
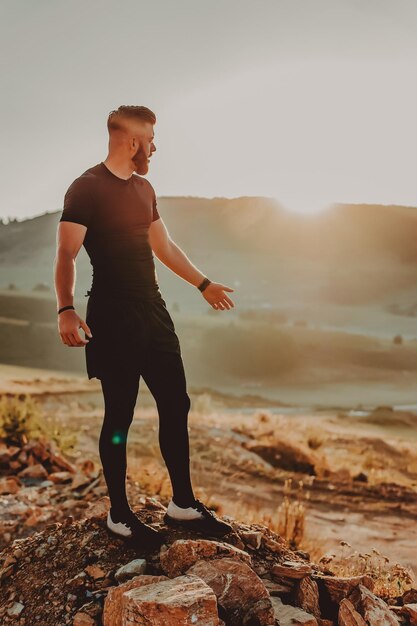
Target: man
112, 210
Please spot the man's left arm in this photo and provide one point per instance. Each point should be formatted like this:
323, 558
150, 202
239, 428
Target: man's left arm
171, 255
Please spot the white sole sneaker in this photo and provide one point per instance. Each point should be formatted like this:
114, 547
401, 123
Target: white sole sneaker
118, 528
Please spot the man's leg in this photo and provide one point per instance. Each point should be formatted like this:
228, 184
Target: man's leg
120, 394
164, 375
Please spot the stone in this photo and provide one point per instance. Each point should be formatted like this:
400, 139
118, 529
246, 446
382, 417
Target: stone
183, 553
60, 477
9, 484
133, 568
410, 610
348, 615
95, 572
276, 589
15, 609
238, 589
98, 508
340, 587
112, 612
253, 539
372, 608
79, 479
287, 615
410, 596
185, 600
34, 471
307, 596
83, 619
291, 569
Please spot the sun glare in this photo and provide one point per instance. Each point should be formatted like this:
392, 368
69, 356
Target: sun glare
304, 203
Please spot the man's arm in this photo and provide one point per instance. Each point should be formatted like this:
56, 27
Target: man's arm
176, 260
70, 237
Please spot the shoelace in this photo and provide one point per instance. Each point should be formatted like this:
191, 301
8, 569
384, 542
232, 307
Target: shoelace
201, 507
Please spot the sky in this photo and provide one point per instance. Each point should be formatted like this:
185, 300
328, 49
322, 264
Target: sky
310, 102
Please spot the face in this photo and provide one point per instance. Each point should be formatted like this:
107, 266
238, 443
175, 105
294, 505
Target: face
143, 146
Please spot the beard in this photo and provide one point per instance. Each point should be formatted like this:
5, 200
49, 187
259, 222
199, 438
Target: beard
140, 161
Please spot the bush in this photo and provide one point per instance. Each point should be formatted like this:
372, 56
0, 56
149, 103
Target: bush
22, 419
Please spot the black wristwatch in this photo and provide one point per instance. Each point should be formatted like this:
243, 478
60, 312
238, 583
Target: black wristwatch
204, 284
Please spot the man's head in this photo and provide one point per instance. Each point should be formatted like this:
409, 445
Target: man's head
131, 135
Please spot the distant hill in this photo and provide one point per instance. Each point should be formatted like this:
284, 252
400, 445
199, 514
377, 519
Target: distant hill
353, 253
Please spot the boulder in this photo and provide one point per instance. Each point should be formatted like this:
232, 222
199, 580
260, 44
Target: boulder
112, 612
238, 590
185, 600
185, 552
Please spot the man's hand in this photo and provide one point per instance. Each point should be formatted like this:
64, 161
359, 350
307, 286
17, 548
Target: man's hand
214, 294
68, 324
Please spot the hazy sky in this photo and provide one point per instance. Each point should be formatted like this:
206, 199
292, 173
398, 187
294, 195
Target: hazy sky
308, 101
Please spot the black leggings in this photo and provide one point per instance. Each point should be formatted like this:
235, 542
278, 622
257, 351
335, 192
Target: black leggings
164, 375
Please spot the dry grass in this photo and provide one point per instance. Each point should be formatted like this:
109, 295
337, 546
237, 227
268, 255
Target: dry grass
390, 579
287, 520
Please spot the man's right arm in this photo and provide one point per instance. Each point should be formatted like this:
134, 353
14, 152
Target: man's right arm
70, 236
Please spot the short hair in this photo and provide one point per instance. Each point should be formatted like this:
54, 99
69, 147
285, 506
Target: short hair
129, 112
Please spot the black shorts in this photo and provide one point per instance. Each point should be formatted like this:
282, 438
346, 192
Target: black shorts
124, 331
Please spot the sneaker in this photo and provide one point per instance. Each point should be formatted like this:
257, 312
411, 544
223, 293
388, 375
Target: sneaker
129, 526
196, 517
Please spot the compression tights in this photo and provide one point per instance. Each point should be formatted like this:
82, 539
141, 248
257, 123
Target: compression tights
165, 378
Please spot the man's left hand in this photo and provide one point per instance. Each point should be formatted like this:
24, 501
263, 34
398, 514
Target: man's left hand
214, 294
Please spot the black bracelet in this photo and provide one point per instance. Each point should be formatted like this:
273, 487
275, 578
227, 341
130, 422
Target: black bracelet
64, 308
204, 284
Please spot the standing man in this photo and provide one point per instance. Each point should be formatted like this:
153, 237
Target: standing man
112, 210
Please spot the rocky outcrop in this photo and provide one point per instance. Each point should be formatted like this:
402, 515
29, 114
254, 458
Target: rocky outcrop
77, 573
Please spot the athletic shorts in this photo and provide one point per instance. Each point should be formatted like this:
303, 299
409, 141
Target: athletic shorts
124, 331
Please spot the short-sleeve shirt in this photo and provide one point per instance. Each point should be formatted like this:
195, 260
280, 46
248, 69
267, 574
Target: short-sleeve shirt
117, 214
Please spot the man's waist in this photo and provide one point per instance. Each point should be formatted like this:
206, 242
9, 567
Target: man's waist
141, 292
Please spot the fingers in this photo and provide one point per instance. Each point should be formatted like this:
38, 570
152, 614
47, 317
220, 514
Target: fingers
226, 303
73, 339
84, 326
79, 341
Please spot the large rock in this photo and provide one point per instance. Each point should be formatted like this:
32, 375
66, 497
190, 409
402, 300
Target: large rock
287, 615
185, 600
307, 596
239, 591
348, 615
292, 570
373, 609
112, 612
337, 588
185, 552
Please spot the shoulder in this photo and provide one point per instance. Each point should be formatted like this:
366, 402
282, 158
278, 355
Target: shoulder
85, 182
144, 182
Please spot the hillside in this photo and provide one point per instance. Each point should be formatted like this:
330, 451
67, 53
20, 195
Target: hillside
359, 254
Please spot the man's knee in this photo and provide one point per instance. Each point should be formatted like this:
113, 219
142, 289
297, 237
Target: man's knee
180, 403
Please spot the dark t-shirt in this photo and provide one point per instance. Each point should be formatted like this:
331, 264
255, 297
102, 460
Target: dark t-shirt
117, 214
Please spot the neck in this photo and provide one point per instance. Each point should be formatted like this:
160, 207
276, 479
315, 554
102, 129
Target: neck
119, 167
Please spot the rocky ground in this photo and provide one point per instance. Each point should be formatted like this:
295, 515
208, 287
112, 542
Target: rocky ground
60, 565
